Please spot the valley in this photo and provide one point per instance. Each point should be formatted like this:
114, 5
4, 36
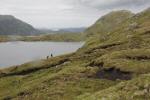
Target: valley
113, 64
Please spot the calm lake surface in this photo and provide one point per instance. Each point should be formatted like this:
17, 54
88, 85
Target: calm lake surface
16, 53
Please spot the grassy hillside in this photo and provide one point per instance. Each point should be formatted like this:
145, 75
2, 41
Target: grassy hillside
57, 37
116, 67
67, 37
108, 22
135, 89
3, 38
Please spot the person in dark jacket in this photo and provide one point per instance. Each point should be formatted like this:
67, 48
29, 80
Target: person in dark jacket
51, 55
47, 57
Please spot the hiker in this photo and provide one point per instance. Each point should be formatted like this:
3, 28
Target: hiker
47, 57
16, 68
51, 55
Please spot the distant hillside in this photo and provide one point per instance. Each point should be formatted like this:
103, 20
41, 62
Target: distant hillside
72, 30
59, 37
9, 25
63, 30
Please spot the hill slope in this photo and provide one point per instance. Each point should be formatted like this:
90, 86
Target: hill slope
10, 25
61, 37
114, 68
108, 22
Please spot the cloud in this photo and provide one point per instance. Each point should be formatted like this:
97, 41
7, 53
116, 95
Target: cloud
66, 13
103, 4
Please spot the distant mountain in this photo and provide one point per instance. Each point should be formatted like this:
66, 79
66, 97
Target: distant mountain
73, 30
63, 30
46, 31
9, 25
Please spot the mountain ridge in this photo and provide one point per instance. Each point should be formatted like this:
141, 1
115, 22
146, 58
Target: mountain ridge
108, 22
9, 25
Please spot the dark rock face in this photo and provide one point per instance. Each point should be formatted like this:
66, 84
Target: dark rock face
10, 25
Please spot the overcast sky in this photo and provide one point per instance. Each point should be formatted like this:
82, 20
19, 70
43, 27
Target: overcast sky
66, 13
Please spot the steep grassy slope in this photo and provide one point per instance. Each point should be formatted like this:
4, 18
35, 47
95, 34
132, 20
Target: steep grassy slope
111, 68
60, 78
135, 89
124, 55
